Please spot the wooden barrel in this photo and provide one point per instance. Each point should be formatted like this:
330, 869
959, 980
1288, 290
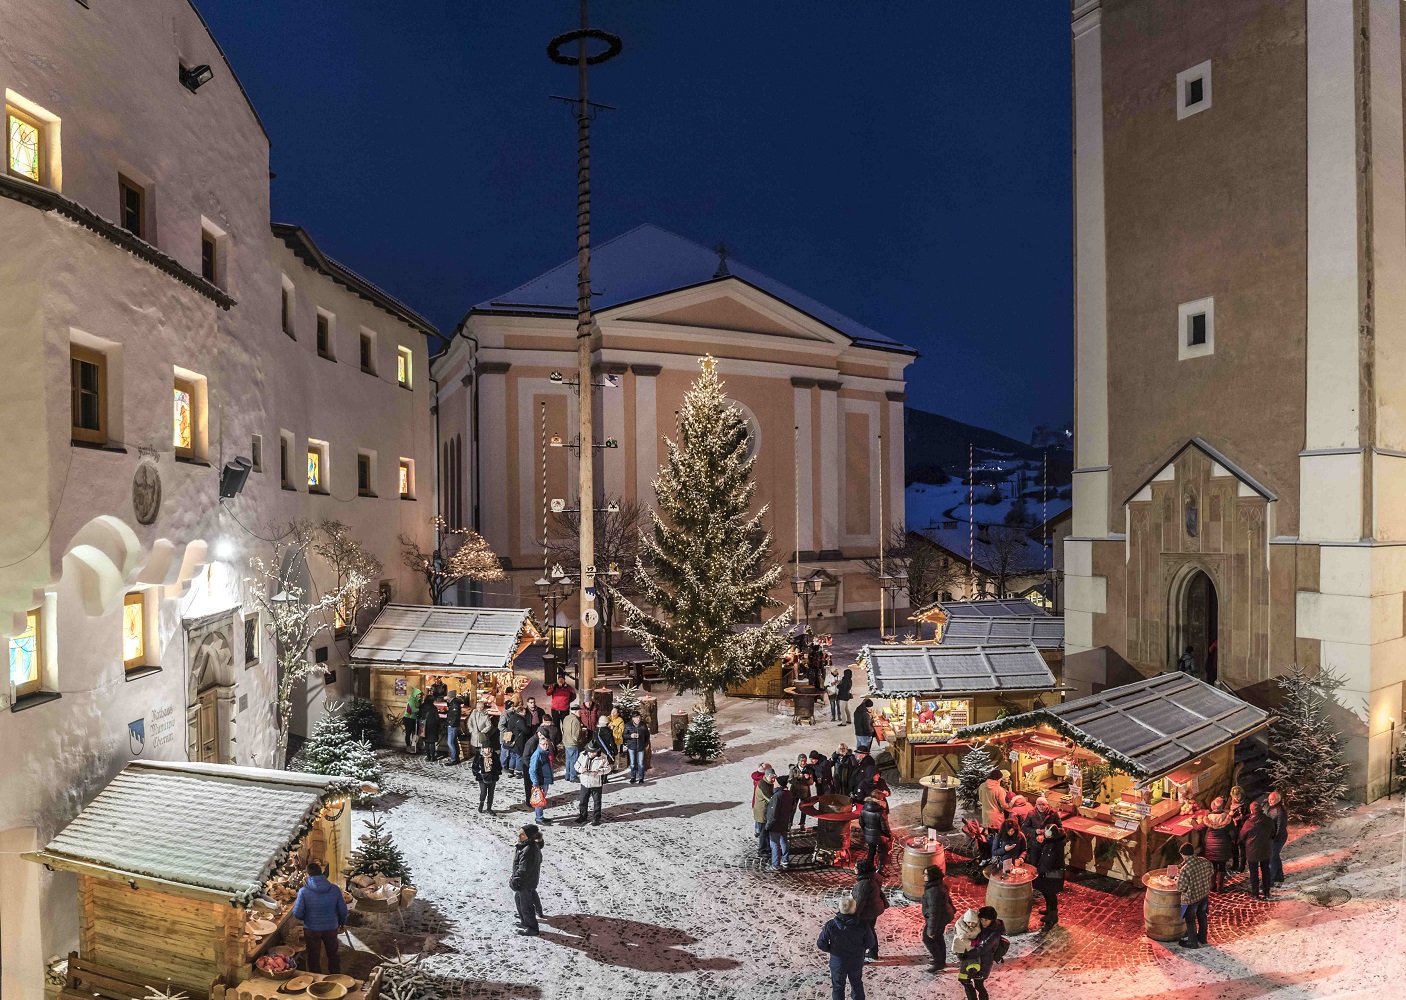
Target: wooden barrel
917, 855
1011, 896
939, 805
1161, 908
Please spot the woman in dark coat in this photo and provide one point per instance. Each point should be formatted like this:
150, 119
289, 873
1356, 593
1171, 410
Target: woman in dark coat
938, 912
1047, 854
843, 693
1008, 844
487, 770
527, 869
1218, 843
1236, 808
429, 718
1255, 837
874, 824
868, 893
863, 724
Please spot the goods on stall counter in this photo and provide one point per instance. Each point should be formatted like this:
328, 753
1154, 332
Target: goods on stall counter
376, 892
276, 966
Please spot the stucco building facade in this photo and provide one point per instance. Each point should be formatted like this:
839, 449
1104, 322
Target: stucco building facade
823, 395
1240, 349
155, 330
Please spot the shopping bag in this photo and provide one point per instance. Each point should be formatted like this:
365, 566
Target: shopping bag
538, 799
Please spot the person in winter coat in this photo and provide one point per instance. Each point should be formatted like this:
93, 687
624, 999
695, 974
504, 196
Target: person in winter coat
1279, 816
1047, 854
1218, 843
1009, 843
616, 721
539, 774
762, 791
862, 777
868, 893
1187, 662
323, 912
802, 785
842, 768
591, 773
590, 714
636, 738
1194, 884
411, 719
846, 939
864, 724
993, 800
832, 692
874, 825
527, 870
486, 770
1213, 662
429, 721
1021, 811
976, 940
572, 735
535, 717
779, 811
1039, 817
843, 692
938, 912
453, 722
818, 766
1238, 812
480, 727
605, 739
514, 726
1256, 837
560, 695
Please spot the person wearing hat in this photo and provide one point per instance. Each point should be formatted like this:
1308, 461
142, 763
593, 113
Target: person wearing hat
1046, 853
869, 900
487, 769
591, 774
977, 942
571, 736
846, 939
527, 870
938, 912
864, 725
1194, 883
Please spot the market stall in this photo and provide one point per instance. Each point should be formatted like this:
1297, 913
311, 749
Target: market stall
1130, 768
926, 694
471, 650
1044, 632
937, 613
182, 868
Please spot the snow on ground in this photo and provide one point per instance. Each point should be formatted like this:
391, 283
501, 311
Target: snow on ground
666, 898
928, 505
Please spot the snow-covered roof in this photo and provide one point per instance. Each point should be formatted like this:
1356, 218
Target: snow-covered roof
1040, 630
214, 827
649, 261
448, 639
1022, 554
954, 672
1147, 728
1005, 607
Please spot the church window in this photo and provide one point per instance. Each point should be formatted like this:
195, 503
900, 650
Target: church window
26, 655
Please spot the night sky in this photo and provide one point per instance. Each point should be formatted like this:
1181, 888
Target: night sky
906, 163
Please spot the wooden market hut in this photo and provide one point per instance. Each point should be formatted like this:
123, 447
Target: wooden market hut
170, 857
1044, 632
471, 649
933, 692
1132, 768
937, 613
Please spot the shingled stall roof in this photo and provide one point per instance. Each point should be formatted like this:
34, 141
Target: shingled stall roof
444, 639
212, 831
1147, 728
1004, 608
1044, 631
954, 672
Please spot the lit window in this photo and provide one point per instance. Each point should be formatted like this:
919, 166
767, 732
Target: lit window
324, 335
134, 630
314, 469
131, 202
402, 366
184, 419
87, 392
25, 657
407, 479
25, 140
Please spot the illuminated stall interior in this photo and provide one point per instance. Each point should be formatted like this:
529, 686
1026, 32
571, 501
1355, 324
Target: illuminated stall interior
924, 695
1131, 768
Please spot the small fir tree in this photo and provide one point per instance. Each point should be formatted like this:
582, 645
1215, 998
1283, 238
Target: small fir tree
705, 564
701, 741
365, 721
627, 699
330, 749
378, 853
976, 768
1310, 771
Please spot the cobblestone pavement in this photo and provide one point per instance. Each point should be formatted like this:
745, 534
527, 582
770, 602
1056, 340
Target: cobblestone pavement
667, 899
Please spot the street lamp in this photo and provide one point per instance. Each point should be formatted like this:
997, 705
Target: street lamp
892, 584
806, 588
553, 590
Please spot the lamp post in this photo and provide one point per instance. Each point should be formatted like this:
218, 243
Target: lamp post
805, 588
553, 591
892, 584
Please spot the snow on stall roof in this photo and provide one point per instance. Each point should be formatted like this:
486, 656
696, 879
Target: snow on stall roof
1147, 728
991, 607
211, 826
445, 638
951, 672
1041, 630
647, 261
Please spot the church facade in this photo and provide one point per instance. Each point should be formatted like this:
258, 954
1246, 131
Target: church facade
822, 394
1240, 351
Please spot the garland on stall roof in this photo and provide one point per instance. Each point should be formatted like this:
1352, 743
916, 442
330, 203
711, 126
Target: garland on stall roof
1028, 720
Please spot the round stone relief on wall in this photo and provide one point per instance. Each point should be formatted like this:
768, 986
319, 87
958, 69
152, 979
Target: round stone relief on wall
146, 493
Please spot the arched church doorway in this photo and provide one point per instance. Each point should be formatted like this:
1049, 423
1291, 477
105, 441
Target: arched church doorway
1201, 624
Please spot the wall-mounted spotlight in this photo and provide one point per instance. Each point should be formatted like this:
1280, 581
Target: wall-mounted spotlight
195, 77
233, 477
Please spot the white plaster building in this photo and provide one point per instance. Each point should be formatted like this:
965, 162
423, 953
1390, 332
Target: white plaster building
139, 275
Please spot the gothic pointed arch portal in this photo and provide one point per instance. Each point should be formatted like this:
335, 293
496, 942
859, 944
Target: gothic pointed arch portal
1198, 620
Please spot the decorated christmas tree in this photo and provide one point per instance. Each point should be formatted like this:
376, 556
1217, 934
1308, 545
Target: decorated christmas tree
330, 749
1310, 771
706, 567
378, 853
976, 768
701, 741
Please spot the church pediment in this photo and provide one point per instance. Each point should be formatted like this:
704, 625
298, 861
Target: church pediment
1220, 467
730, 305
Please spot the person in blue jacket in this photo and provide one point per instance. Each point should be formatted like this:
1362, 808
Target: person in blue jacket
539, 770
847, 940
323, 911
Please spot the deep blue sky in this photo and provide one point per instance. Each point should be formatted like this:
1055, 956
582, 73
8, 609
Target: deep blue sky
906, 163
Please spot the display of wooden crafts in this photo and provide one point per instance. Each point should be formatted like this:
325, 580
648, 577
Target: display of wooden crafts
276, 966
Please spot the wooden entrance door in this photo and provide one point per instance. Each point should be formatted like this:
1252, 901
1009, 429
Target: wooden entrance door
1201, 619
207, 727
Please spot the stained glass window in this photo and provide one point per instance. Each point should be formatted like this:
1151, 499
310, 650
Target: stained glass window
23, 147
404, 479
134, 630
24, 655
184, 431
314, 469
402, 367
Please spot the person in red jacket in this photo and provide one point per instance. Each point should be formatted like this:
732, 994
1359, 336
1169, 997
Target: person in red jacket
590, 713
561, 696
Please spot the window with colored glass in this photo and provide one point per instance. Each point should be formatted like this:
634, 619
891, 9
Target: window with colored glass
402, 366
183, 423
404, 480
24, 145
134, 630
314, 469
25, 657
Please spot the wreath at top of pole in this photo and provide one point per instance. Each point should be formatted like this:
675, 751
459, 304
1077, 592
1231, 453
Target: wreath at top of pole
612, 49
